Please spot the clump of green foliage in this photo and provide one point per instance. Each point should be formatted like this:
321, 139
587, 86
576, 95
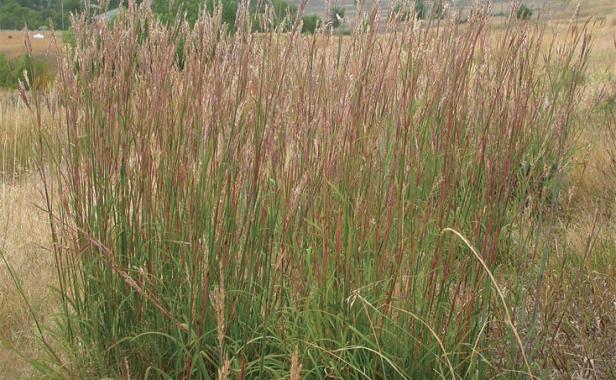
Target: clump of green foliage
420, 9
270, 204
336, 15
24, 69
310, 23
524, 12
68, 37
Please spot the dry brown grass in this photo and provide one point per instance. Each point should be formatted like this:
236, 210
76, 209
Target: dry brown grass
17, 136
586, 342
23, 238
12, 43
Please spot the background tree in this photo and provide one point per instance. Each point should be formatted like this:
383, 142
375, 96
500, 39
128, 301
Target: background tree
16, 14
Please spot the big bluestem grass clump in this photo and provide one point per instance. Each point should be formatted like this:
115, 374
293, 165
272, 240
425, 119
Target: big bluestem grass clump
255, 205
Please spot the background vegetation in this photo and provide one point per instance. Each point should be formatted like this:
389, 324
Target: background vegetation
25, 69
15, 14
35, 14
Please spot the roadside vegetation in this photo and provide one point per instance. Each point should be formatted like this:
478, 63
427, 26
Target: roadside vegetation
431, 200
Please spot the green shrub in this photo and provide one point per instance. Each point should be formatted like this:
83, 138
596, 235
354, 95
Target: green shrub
24, 69
310, 23
336, 15
68, 37
524, 12
420, 9
8, 75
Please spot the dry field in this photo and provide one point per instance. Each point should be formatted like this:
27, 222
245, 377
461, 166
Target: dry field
23, 239
13, 44
580, 274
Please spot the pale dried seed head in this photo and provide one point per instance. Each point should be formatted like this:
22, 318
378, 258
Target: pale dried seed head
225, 370
218, 301
296, 366
127, 368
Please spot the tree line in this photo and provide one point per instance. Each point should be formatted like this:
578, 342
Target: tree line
35, 14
